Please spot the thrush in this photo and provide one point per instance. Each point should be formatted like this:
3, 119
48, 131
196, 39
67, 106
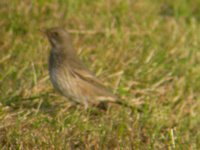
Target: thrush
70, 77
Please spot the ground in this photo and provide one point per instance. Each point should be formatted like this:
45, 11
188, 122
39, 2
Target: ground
147, 52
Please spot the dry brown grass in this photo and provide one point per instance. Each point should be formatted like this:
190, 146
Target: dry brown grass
148, 52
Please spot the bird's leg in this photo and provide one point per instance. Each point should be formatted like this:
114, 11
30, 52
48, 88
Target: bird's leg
86, 104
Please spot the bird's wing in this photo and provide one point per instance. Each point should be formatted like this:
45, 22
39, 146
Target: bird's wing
89, 77
95, 84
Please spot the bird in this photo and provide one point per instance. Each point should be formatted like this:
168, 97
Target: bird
70, 77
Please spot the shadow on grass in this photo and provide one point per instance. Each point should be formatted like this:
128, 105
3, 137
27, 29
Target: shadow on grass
49, 104
43, 103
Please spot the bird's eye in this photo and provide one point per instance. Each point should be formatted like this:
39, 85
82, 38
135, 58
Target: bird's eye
55, 34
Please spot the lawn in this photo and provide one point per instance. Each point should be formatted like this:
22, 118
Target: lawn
147, 52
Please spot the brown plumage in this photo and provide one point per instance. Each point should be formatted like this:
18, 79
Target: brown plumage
68, 74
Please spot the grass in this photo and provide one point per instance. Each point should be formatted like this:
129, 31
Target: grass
147, 52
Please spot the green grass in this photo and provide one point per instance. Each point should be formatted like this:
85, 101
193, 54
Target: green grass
148, 52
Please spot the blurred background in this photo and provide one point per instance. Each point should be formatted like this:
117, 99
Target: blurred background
147, 52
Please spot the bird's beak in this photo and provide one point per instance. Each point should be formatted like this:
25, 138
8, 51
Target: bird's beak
44, 32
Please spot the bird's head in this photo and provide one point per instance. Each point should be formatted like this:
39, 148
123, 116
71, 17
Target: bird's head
57, 37
60, 41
